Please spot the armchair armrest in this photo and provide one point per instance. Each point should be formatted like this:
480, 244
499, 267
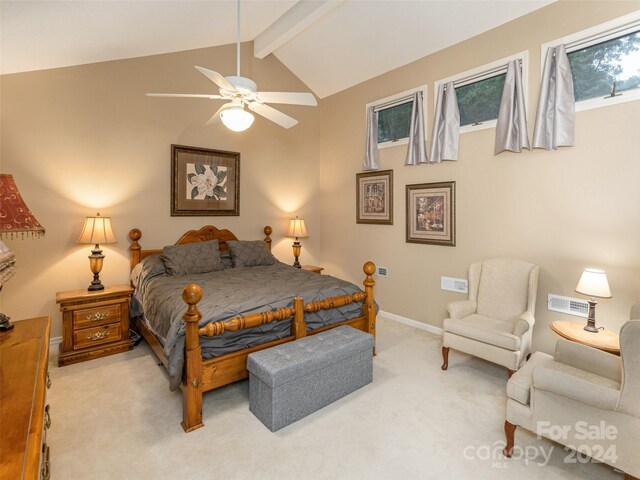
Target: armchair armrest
524, 324
589, 359
461, 308
575, 388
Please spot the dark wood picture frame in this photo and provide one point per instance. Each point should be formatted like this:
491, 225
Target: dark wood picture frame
431, 213
204, 182
374, 197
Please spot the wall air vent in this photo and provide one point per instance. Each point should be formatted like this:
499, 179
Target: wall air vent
571, 306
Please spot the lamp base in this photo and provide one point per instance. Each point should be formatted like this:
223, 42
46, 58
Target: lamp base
297, 246
591, 319
5, 324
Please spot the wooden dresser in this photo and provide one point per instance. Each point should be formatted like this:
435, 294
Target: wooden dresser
24, 419
95, 324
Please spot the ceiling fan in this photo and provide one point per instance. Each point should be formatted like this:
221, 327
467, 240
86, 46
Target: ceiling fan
241, 91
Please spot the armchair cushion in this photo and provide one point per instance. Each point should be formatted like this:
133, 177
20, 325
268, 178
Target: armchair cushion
588, 358
578, 385
486, 330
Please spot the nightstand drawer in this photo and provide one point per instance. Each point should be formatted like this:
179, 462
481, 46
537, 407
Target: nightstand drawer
89, 337
97, 316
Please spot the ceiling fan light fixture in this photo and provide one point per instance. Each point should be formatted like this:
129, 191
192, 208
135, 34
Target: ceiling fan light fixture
236, 118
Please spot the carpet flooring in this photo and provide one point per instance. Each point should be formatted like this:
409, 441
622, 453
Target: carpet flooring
115, 418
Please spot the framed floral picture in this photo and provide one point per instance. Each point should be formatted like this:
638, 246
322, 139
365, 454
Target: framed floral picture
374, 197
204, 182
431, 213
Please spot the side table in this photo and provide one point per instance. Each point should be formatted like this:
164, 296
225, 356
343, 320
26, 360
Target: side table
604, 340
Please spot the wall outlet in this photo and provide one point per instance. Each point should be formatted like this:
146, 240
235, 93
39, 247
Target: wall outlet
382, 272
459, 285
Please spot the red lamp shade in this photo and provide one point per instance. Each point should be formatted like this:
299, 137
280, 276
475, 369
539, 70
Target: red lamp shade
15, 216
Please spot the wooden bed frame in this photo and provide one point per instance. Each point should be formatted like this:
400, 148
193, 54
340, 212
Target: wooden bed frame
202, 375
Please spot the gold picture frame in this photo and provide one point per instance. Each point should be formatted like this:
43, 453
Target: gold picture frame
431, 213
204, 182
374, 197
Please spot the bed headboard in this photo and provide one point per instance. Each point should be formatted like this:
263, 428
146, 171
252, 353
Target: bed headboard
208, 232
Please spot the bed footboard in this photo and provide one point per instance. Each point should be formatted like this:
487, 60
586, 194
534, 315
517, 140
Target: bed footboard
192, 382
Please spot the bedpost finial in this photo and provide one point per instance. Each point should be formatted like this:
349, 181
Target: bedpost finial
369, 268
192, 294
135, 234
268, 230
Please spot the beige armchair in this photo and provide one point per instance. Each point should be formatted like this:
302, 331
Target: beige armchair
583, 398
496, 322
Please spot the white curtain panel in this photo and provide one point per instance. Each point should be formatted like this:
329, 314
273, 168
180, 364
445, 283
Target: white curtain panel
417, 148
555, 118
371, 147
511, 129
446, 126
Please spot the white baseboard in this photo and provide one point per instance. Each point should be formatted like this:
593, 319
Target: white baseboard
412, 323
54, 341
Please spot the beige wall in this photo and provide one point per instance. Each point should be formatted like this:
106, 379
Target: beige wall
564, 210
85, 139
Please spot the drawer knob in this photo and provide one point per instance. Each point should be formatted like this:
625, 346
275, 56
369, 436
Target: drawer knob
47, 418
48, 380
98, 336
45, 470
96, 317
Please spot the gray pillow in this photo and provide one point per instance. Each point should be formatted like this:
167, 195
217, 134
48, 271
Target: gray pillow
227, 261
250, 253
149, 267
198, 257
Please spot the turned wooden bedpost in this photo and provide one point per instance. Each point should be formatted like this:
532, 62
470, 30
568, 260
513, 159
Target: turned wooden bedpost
192, 377
298, 327
134, 249
369, 307
267, 231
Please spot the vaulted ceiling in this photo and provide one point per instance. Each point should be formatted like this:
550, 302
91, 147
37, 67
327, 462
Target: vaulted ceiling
329, 44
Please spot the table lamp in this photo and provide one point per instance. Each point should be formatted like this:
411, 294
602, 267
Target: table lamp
593, 283
15, 220
297, 230
96, 230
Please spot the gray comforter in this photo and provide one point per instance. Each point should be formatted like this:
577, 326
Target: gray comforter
231, 293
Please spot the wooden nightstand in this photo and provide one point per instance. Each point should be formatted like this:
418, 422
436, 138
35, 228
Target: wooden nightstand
313, 268
95, 324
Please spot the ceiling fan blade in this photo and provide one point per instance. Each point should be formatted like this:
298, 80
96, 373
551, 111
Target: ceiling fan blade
272, 114
216, 116
216, 78
185, 95
288, 97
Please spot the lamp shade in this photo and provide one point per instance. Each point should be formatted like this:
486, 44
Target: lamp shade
236, 118
97, 230
594, 283
15, 216
297, 228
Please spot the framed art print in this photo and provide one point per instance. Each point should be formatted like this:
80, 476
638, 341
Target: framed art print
374, 200
431, 213
204, 182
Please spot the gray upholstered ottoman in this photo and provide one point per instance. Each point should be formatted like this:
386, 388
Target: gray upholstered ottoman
292, 380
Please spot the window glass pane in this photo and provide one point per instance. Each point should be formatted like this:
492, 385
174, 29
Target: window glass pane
595, 68
394, 122
480, 101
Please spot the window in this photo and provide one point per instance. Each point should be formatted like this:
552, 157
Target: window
605, 62
394, 117
479, 92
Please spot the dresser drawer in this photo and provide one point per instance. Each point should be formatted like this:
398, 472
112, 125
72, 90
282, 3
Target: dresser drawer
89, 337
96, 316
